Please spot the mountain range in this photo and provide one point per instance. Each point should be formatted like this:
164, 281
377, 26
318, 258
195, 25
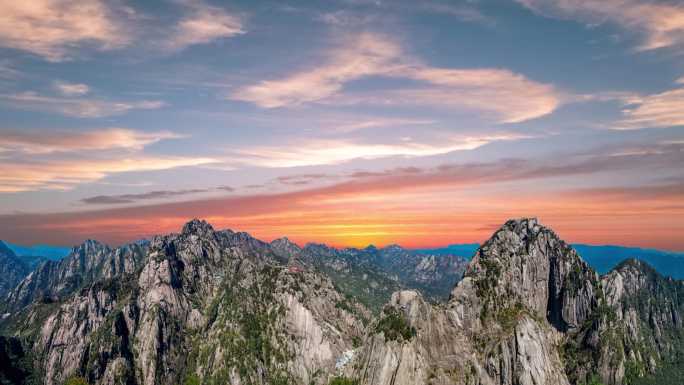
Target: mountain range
215, 307
602, 258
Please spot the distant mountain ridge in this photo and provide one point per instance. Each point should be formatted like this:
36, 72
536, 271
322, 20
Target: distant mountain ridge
602, 258
372, 274
51, 252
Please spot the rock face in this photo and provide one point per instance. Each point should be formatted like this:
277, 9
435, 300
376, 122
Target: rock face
213, 305
529, 311
12, 270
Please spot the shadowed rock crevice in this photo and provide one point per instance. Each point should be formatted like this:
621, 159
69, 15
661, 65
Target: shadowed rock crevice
555, 303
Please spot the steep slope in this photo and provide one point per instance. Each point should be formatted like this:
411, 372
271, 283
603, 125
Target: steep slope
212, 305
12, 270
529, 310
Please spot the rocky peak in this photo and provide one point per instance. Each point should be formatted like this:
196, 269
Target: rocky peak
528, 264
633, 276
285, 248
393, 249
319, 249
89, 247
197, 227
371, 249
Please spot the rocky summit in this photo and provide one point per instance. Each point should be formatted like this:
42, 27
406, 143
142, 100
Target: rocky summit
221, 307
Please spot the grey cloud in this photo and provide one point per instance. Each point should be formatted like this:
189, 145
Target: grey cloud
132, 198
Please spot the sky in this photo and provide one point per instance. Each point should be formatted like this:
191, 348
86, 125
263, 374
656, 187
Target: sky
348, 122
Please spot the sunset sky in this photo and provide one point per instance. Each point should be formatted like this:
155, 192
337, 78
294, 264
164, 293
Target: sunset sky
349, 122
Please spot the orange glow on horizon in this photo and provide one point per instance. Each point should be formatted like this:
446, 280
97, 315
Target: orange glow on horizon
412, 217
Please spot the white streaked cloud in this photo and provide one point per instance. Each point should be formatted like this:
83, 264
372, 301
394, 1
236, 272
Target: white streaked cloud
664, 109
53, 28
203, 24
376, 122
367, 55
509, 96
8, 71
76, 107
64, 174
39, 142
661, 23
71, 89
326, 152
56, 29
64, 159
512, 97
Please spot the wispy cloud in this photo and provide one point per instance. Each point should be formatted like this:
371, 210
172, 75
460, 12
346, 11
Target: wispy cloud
71, 89
665, 109
375, 10
77, 107
51, 28
203, 24
376, 122
346, 18
62, 160
133, 198
57, 29
7, 70
368, 55
35, 142
510, 96
464, 12
302, 179
662, 23
62, 174
325, 152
